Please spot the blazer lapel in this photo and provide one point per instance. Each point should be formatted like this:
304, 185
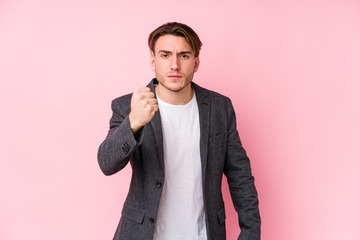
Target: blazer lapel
204, 117
157, 130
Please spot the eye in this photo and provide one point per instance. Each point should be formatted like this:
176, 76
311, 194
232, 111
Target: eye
164, 55
185, 56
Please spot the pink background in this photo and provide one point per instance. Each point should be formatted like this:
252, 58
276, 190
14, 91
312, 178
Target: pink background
292, 69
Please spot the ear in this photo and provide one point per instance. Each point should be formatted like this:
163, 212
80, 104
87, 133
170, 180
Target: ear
152, 61
197, 63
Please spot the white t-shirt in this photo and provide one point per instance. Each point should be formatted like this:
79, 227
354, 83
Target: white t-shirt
181, 213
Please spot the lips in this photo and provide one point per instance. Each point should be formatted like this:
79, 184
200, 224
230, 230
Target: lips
174, 76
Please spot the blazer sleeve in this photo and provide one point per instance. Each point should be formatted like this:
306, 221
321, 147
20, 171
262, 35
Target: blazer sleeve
241, 182
116, 150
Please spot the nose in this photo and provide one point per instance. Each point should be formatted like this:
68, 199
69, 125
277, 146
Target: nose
174, 63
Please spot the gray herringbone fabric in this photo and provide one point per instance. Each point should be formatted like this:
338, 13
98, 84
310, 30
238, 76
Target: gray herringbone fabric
221, 152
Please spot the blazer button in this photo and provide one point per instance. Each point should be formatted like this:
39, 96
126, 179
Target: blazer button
126, 147
152, 220
158, 184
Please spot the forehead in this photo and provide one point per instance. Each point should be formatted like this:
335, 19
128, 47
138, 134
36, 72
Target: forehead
172, 43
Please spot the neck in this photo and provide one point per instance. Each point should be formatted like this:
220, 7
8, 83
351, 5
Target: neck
181, 97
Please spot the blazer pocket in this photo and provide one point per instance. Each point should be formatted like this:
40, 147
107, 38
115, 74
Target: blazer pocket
221, 216
217, 141
217, 137
133, 213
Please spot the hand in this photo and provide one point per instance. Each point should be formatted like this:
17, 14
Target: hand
143, 108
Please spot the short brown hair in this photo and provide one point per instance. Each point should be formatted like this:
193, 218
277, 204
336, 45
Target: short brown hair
176, 29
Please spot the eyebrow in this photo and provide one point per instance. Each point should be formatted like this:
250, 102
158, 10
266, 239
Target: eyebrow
182, 52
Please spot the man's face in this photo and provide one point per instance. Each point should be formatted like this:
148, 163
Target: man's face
174, 63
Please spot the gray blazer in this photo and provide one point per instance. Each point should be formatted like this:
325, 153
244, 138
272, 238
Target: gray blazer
221, 152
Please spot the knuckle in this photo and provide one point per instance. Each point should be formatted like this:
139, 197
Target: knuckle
148, 108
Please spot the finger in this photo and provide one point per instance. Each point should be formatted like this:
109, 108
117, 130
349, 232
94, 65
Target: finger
143, 95
154, 109
147, 95
152, 101
149, 101
139, 92
143, 89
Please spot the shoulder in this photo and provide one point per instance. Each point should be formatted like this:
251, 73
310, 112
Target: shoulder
123, 99
210, 95
121, 104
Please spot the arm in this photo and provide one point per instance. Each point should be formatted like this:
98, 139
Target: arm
126, 129
116, 150
241, 182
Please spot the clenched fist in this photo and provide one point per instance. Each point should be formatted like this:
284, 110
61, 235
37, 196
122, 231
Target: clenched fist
143, 108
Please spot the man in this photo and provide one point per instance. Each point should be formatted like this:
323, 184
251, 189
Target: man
179, 139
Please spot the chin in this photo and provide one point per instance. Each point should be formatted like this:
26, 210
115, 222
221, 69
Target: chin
176, 87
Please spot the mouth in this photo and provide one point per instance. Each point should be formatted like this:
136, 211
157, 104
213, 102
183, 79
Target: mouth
174, 77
